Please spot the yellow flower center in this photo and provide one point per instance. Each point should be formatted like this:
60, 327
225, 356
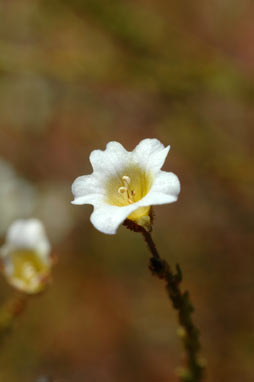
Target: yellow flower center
131, 185
29, 271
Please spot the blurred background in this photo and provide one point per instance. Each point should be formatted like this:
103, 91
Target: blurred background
77, 74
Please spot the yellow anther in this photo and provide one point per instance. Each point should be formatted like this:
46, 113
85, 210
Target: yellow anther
122, 190
126, 179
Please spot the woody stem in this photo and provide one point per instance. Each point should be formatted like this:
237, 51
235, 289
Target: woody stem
182, 304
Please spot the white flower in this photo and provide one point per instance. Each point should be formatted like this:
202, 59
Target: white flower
26, 256
126, 184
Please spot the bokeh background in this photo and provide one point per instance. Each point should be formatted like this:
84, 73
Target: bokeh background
77, 74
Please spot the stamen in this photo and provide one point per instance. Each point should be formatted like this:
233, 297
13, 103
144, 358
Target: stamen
126, 179
122, 190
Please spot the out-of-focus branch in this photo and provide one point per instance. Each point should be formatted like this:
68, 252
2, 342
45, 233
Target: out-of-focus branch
10, 312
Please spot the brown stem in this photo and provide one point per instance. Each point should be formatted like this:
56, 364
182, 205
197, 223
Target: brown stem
182, 303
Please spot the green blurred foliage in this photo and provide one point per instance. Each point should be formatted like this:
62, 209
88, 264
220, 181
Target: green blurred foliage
77, 74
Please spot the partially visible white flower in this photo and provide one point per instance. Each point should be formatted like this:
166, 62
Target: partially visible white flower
26, 256
18, 196
126, 184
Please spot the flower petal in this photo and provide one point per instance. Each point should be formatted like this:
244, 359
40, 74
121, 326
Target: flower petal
107, 218
150, 154
165, 189
156, 198
28, 234
167, 183
110, 161
92, 199
87, 189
